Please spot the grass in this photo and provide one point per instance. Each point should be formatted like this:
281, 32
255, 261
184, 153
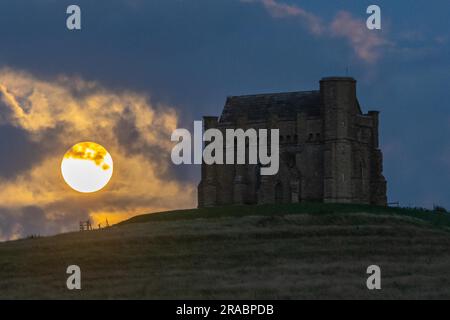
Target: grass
244, 252
434, 218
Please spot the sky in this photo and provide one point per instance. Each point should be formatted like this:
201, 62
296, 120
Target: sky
139, 69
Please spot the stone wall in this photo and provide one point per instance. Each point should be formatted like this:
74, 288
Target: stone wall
328, 150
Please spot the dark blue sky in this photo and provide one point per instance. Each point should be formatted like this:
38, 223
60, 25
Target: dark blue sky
192, 54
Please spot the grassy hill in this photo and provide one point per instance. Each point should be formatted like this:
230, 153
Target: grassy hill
263, 252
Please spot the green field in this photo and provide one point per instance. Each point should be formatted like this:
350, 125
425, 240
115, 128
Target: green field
298, 251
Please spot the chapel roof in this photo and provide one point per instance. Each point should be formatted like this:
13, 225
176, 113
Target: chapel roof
261, 106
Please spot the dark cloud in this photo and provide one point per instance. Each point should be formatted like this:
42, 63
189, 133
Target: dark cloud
132, 141
32, 220
17, 151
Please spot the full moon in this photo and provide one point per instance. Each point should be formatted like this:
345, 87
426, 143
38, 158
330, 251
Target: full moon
87, 167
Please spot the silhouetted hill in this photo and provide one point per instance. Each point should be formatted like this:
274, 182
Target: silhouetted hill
267, 252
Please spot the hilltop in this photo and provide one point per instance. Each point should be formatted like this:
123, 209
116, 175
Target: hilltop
264, 252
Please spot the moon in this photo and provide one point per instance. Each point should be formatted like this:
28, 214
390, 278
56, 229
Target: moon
87, 167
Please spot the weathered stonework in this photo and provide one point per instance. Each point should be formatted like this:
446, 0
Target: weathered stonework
328, 149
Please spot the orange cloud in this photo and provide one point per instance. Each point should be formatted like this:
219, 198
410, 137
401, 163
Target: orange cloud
77, 110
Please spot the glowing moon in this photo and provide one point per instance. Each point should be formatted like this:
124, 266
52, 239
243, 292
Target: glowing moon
87, 167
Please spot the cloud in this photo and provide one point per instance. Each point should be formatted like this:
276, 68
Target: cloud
281, 10
365, 43
441, 39
52, 116
17, 151
32, 221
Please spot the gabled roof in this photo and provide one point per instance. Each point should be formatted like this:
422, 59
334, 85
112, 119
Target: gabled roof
261, 106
